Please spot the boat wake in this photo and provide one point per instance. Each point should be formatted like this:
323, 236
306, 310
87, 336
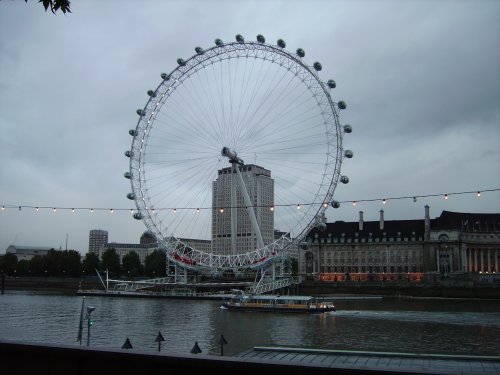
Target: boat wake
438, 317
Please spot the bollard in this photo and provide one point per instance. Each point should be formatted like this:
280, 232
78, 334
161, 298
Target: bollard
196, 348
127, 344
222, 342
159, 339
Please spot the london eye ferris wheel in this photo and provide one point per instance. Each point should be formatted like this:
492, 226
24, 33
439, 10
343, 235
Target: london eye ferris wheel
236, 104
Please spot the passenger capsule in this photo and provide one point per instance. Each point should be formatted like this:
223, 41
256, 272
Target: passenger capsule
317, 66
331, 84
348, 128
181, 62
344, 179
261, 39
165, 76
300, 52
127, 175
239, 275
335, 204
239, 38
348, 154
281, 43
132, 132
199, 50
140, 112
219, 42
129, 154
341, 104
131, 196
137, 216
151, 93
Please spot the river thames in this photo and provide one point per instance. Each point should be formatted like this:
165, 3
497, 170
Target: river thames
418, 326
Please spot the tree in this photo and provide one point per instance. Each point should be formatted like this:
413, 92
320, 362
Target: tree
36, 266
71, 263
52, 263
131, 264
90, 263
55, 5
155, 264
23, 267
111, 261
8, 263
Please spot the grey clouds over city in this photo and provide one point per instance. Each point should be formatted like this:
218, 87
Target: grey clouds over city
421, 80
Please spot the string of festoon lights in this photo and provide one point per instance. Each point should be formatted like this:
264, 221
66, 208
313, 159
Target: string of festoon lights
334, 203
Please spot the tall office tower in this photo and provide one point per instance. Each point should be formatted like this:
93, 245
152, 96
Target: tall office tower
260, 188
97, 238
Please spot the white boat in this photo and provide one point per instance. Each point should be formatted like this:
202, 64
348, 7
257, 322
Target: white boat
277, 303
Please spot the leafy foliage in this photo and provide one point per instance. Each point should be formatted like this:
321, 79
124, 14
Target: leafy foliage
90, 263
8, 263
55, 5
131, 264
111, 261
155, 264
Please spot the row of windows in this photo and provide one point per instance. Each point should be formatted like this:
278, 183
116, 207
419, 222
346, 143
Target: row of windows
369, 240
374, 269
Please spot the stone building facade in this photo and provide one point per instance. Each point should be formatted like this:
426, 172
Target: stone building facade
410, 250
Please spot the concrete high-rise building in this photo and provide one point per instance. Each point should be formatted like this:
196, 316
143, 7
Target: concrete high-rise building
260, 187
97, 238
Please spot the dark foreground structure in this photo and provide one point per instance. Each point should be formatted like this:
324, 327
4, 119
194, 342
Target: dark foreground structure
41, 359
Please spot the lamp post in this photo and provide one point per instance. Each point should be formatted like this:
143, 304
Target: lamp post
89, 322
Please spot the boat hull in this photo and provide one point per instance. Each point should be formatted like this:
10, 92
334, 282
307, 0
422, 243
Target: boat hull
315, 310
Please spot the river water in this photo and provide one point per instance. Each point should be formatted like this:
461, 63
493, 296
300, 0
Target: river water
425, 326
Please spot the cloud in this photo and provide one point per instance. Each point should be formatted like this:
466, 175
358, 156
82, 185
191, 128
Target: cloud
420, 79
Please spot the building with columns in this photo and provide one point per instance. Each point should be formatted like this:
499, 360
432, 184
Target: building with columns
412, 250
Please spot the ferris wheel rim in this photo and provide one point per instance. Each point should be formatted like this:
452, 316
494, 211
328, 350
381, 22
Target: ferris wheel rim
146, 120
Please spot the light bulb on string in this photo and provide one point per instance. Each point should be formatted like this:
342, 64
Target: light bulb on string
354, 203
197, 210
383, 201
446, 196
54, 209
111, 210
298, 207
175, 210
91, 210
271, 209
478, 193
37, 209
221, 210
73, 210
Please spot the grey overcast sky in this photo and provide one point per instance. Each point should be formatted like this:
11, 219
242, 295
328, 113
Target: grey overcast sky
421, 80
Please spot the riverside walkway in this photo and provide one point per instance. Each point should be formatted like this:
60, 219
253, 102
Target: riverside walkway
383, 362
41, 359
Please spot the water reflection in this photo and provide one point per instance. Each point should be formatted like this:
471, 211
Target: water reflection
387, 325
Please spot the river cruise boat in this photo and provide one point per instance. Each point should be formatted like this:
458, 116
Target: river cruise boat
277, 303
